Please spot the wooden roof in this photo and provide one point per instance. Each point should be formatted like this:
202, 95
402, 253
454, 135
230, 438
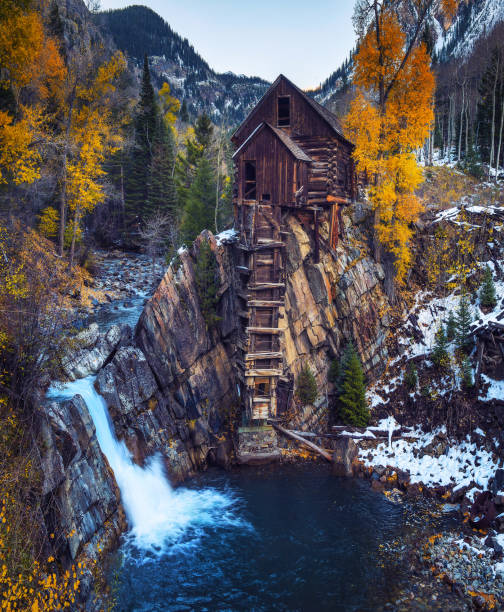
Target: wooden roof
292, 147
330, 119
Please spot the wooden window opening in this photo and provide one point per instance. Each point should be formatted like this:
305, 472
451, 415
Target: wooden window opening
250, 180
283, 111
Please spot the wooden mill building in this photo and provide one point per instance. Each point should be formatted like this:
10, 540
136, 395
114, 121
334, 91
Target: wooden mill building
291, 157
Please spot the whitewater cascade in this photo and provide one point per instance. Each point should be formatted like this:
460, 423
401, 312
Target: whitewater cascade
158, 515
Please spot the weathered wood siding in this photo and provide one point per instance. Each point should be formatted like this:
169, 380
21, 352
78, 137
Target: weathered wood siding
278, 173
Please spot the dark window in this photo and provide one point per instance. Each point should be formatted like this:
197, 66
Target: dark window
283, 111
266, 197
262, 387
250, 180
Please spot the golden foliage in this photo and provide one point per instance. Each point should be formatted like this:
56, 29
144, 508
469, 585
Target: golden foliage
389, 118
170, 105
19, 158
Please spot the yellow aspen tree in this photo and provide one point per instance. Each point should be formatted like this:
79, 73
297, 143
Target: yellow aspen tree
390, 117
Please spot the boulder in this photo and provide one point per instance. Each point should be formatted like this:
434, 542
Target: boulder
127, 381
93, 351
345, 451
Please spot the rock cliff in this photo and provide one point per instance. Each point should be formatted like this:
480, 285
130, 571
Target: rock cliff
175, 389
82, 508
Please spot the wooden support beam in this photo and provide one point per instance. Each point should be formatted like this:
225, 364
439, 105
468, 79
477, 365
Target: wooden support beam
263, 373
263, 330
254, 356
290, 434
265, 303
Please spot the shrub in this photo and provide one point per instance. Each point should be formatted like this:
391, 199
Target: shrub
411, 377
306, 386
466, 375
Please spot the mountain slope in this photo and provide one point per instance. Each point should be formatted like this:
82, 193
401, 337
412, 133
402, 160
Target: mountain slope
138, 31
474, 20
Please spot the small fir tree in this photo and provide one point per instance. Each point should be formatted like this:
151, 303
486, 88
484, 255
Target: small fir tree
439, 355
353, 405
466, 375
487, 295
463, 318
306, 387
207, 285
411, 377
451, 327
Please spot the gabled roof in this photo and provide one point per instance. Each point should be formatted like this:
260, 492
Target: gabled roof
331, 119
292, 147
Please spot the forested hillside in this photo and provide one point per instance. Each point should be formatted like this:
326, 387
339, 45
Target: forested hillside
226, 98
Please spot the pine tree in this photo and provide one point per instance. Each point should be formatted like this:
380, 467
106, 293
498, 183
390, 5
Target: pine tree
352, 401
463, 318
184, 113
439, 353
199, 209
491, 90
207, 284
162, 195
147, 126
466, 375
488, 297
451, 327
306, 386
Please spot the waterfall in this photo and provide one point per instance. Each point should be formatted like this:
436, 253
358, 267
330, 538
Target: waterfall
159, 516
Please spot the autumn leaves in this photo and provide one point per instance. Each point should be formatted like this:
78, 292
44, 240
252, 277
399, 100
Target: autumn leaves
392, 113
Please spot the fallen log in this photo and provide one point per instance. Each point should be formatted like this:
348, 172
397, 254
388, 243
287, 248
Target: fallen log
314, 447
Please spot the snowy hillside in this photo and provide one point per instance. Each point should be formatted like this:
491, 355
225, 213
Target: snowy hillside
139, 31
474, 20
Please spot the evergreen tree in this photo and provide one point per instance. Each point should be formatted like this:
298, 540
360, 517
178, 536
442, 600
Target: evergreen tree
306, 386
184, 113
463, 318
488, 297
352, 401
439, 353
207, 284
466, 375
147, 125
451, 327
199, 208
162, 195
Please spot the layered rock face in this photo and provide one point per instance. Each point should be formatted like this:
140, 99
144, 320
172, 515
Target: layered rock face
333, 301
175, 391
81, 498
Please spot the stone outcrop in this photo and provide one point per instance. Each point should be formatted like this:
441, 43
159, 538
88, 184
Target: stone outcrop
93, 349
174, 389
81, 499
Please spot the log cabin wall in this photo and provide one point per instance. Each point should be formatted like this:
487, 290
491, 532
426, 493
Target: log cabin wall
290, 154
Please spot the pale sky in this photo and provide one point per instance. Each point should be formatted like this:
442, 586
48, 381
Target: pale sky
304, 39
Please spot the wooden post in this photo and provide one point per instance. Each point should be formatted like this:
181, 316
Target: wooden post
315, 221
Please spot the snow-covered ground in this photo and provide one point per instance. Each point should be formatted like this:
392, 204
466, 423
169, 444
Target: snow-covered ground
462, 465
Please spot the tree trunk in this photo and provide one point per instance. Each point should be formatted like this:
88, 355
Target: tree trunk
390, 272
459, 151
63, 194
492, 131
501, 127
74, 235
